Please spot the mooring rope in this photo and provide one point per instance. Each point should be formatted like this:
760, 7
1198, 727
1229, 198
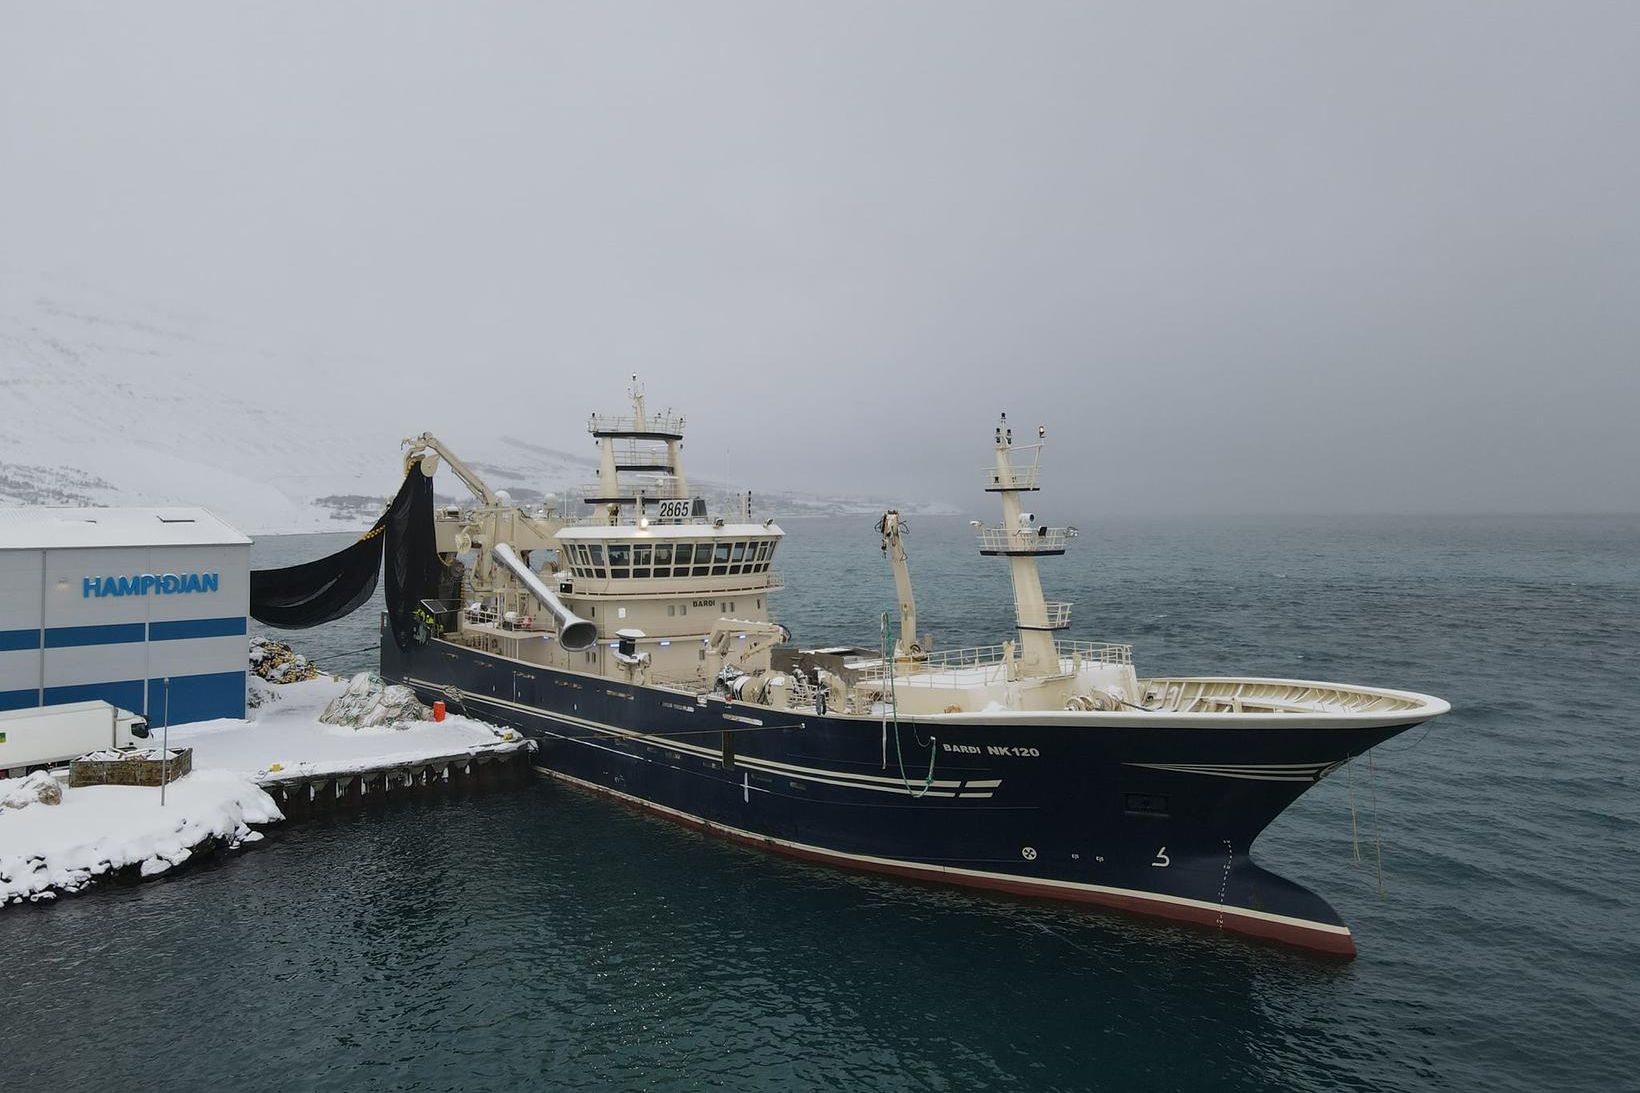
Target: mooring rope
1355, 828
893, 703
1377, 833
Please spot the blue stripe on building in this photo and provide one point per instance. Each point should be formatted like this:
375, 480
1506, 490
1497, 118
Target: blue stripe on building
198, 698
11, 640
19, 700
124, 693
63, 637
196, 628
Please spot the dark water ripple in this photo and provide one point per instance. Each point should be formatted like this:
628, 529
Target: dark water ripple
547, 939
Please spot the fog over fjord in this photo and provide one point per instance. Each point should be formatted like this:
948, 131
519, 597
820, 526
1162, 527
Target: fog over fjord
1289, 258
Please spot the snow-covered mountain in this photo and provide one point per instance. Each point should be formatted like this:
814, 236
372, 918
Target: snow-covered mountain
106, 401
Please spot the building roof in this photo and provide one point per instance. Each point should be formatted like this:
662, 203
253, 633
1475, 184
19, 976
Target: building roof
36, 528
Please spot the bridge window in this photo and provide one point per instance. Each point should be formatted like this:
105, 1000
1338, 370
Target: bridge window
641, 555
620, 560
596, 552
663, 559
720, 559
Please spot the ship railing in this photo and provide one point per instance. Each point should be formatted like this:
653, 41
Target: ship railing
1098, 652
1017, 478
650, 455
1038, 540
927, 670
504, 609
1055, 615
666, 423
800, 691
441, 616
664, 490
943, 660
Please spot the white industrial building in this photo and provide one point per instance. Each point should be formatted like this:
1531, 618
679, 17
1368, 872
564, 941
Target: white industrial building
108, 603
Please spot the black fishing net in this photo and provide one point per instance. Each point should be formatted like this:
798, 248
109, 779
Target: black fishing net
411, 562
317, 592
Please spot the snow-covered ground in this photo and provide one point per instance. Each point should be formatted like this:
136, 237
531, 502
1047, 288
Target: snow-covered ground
288, 733
49, 848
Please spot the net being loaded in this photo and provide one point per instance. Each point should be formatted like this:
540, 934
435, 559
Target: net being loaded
313, 593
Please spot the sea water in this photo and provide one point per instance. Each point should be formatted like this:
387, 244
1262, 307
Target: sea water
545, 938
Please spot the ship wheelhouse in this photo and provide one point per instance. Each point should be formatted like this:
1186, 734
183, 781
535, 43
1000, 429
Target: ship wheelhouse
669, 586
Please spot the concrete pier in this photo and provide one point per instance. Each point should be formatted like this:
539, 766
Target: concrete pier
300, 795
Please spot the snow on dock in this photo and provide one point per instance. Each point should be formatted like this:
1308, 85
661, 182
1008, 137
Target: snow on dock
97, 830
246, 773
286, 741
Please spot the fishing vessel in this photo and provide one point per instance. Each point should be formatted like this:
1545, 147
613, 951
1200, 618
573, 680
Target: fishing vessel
637, 644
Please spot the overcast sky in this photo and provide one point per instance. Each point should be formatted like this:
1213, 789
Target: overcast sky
1271, 257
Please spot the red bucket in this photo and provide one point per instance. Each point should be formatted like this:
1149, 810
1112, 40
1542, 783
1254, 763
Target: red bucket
438, 710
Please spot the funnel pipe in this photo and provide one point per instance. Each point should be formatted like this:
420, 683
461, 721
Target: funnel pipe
574, 632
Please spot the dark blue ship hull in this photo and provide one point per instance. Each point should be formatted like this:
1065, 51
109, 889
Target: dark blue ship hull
1152, 820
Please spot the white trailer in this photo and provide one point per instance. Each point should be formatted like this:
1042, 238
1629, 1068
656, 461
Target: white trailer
51, 735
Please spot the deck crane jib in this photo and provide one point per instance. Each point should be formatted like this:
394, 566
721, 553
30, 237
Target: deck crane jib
502, 589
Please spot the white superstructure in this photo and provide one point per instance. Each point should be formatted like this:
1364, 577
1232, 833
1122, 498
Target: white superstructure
675, 595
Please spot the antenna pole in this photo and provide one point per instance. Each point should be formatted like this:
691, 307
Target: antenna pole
165, 745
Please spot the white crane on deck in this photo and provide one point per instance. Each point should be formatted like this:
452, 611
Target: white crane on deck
502, 535
893, 529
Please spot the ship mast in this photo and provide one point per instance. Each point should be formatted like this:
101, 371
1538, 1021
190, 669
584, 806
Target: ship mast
1022, 540
641, 451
